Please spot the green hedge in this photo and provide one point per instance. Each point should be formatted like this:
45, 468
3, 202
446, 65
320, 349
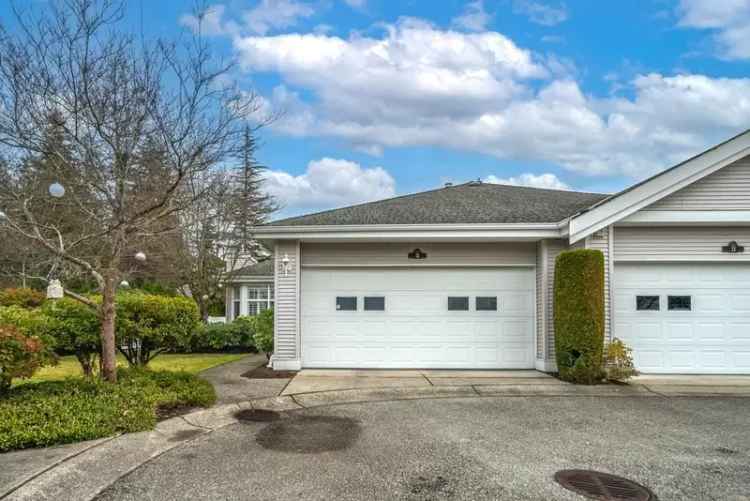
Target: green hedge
264, 332
579, 315
44, 414
225, 337
23, 297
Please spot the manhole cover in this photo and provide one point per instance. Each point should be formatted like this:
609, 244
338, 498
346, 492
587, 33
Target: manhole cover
603, 486
257, 415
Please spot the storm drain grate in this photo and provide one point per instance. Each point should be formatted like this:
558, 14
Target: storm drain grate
257, 415
603, 486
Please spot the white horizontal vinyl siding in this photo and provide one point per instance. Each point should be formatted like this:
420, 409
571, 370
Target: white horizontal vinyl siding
726, 189
600, 241
438, 254
679, 243
286, 321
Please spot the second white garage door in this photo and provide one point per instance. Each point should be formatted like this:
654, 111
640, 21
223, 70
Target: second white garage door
685, 318
400, 318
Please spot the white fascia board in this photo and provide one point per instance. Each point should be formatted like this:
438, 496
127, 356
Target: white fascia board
250, 278
404, 232
686, 218
622, 206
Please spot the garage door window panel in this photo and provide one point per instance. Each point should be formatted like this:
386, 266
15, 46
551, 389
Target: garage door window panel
346, 303
679, 303
486, 303
458, 303
647, 303
374, 303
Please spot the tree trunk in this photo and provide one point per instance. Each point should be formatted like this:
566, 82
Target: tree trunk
109, 352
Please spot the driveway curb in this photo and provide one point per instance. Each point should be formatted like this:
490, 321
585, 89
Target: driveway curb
86, 473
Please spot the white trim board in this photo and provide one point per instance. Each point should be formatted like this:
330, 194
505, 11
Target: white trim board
670, 181
686, 217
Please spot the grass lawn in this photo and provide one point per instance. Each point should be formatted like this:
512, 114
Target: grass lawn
192, 363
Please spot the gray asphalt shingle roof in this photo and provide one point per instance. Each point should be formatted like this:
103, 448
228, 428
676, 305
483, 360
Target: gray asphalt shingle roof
261, 269
469, 203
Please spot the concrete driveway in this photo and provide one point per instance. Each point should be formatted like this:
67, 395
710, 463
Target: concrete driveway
461, 448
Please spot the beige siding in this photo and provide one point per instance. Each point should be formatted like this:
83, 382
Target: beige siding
438, 254
286, 324
726, 189
600, 241
679, 243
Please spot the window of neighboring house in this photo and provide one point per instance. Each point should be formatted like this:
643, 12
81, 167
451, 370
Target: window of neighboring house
679, 303
458, 303
236, 291
646, 303
259, 298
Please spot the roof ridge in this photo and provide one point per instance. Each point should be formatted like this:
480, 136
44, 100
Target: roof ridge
418, 193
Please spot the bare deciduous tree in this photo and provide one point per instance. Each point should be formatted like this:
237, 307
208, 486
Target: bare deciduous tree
112, 97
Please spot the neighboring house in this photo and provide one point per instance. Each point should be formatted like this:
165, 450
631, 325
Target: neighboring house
462, 276
250, 290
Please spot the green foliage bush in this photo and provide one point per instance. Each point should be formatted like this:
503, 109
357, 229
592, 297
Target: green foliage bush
44, 414
31, 322
263, 337
76, 329
20, 355
618, 361
23, 297
579, 315
149, 324
232, 336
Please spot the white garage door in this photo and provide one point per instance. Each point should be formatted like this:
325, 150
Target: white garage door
685, 318
412, 325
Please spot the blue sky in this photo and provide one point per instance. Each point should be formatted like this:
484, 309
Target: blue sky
384, 97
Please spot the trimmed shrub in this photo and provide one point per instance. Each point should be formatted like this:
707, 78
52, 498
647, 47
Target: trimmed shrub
263, 337
579, 315
23, 297
76, 329
44, 414
233, 336
20, 355
148, 325
31, 322
618, 361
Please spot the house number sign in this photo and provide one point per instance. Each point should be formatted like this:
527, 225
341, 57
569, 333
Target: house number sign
733, 248
417, 254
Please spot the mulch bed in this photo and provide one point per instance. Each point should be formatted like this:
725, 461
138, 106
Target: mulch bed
264, 372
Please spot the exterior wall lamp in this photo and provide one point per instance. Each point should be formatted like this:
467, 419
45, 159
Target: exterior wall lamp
285, 261
55, 290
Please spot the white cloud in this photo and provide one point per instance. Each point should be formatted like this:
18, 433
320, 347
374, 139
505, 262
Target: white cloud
268, 15
210, 22
356, 4
541, 13
548, 181
474, 17
729, 19
327, 183
276, 14
417, 85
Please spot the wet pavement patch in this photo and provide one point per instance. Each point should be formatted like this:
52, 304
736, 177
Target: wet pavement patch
726, 450
183, 435
429, 487
309, 434
257, 415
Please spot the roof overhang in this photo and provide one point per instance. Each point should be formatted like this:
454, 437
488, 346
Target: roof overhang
530, 232
621, 207
249, 278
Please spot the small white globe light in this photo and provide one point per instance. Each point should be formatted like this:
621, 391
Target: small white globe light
57, 190
205, 297
140, 256
125, 284
55, 290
